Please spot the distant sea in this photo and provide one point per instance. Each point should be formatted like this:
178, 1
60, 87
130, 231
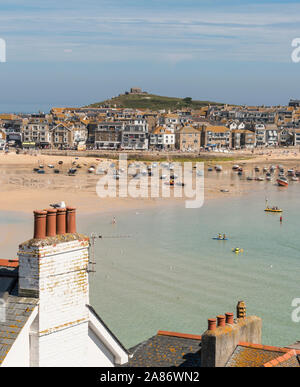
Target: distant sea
163, 271
24, 108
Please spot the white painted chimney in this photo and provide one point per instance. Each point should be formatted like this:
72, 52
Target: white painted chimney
54, 269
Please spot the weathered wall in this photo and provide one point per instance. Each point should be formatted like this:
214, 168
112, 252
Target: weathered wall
218, 345
57, 274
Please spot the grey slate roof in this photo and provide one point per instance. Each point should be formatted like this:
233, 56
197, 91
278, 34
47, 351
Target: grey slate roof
15, 311
166, 351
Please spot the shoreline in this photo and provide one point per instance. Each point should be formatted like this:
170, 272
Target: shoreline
24, 191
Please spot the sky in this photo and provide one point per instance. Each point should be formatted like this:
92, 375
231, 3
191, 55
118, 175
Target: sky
72, 53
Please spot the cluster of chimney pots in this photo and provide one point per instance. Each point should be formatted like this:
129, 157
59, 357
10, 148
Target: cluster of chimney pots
52, 222
228, 318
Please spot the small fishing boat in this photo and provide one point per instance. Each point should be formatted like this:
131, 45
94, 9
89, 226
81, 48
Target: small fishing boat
60, 162
259, 178
273, 209
56, 171
41, 171
72, 171
268, 178
240, 173
218, 168
249, 178
210, 169
235, 167
282, 181
256, 169
265, 169
36, 169
291, 172
295, 178
220, 239
91, 170
50, 166
171, 183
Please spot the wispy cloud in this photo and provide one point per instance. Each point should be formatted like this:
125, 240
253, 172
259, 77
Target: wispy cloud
36, 33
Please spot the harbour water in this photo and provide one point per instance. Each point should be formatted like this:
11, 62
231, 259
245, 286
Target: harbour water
170, 275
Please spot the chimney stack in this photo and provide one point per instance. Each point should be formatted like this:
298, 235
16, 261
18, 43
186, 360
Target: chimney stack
40, 224
219, 343
51, 222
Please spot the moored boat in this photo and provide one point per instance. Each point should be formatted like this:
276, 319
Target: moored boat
282, 181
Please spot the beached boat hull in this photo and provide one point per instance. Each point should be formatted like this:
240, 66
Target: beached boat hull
282, 183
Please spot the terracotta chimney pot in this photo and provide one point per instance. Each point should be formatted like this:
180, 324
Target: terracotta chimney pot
229, 318
61, 221
212, 324
40, 224
221, 321
71, 220
51, 222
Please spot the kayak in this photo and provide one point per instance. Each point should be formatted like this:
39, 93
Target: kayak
237, 250
220, 239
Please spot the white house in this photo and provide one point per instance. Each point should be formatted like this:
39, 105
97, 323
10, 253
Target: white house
45, 316
162, 138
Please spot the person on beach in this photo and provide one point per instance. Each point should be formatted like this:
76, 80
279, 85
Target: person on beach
224, 236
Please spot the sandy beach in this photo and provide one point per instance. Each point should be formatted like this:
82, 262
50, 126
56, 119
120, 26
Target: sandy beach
25, 190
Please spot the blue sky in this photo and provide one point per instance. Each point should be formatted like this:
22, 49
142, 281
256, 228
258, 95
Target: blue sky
71, 52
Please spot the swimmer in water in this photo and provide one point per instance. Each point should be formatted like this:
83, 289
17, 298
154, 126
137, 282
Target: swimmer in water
114, 220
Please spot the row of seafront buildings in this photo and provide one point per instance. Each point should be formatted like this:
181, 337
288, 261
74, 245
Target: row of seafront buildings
227, 127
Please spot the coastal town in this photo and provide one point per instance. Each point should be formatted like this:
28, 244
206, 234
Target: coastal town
217, 128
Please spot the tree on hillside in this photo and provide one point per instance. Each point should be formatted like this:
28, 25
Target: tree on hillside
187, 100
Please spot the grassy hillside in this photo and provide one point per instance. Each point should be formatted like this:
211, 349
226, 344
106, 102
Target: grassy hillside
152, 102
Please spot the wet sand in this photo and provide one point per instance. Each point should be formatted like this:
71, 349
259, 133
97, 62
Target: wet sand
23, 190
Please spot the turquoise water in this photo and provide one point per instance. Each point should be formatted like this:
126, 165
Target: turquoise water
170, 274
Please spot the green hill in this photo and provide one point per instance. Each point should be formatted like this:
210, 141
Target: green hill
151, 102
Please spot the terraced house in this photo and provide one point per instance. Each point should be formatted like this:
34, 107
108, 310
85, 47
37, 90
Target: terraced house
107, 135
162, 138
188, 139
216, 137
36, 133
135, 134
68, 134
